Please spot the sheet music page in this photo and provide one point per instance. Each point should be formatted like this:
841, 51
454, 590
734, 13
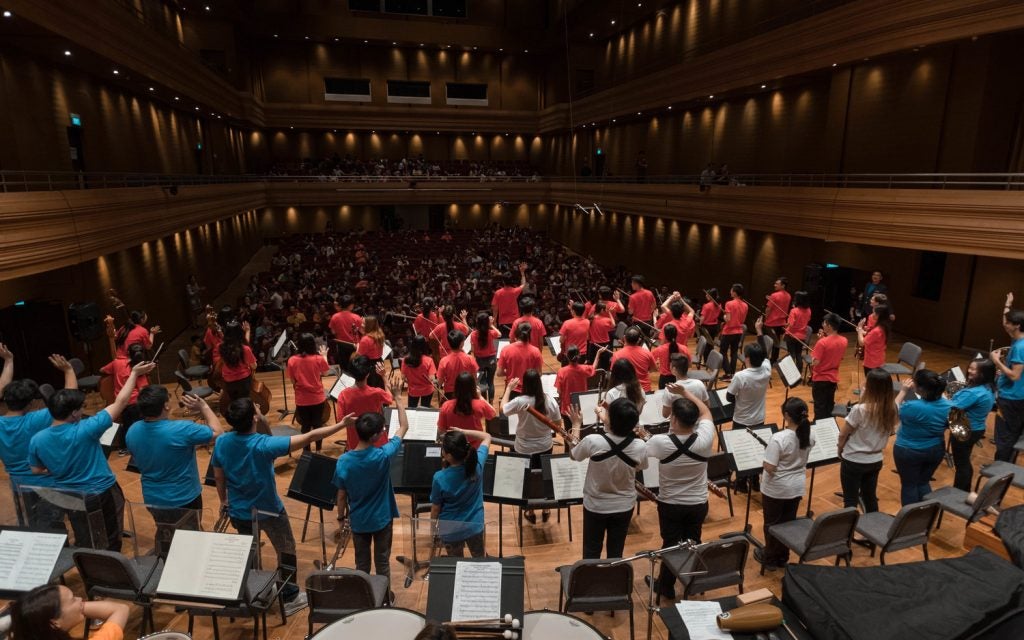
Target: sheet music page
547, 380
958, 374
386, 353
745, 449
567, 477
588, 403
422, 425
205, 564
344, 382
513, 423
501, 346
467, 346
651, 413
27, 558
477, 593
432, 452
826, 441
509, 476
107, 439
279, 344
555, 342
651, 473
701, 619
787, 369
722, 396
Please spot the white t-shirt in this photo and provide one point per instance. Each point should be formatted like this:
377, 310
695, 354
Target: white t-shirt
610, 486
790, 466
695, 387
684, 480
619, 391
532, 435
750, 386
866, 442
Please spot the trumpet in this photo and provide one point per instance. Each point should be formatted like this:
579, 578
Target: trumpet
344, 536
222, 521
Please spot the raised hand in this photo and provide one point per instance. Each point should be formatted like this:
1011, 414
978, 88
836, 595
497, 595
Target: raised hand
192, 402
143, 368
59, 362
5, 353
155, 330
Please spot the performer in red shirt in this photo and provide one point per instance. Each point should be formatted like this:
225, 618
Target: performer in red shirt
135, 332
828, 352
576, 330
601, 327
710, 320
641, 359
362, 398
305, 370
237, 360
610, 299
663, 354
875, 339
439, 334
371, 345
484, 344
466, 410
537, 328
347, 327
518, 357
457, 361
571, 378
504, 302
676, 311
796, 328
418, 369
732, 331
426, 319
641, 302
776, 311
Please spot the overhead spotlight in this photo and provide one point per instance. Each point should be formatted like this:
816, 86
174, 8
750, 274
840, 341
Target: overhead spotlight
614, 120
474, 48
116, 72
421, 44
196, 108
669, 107
67, 52
526, 51
152, 88
366, 42
208, 8
591, 34
613, 23
291, 127
305, 37
394, 44
597, 208
336, 39
711, 97
275, 35
637, 113
764, 86
834, 64
8, 14
176, 98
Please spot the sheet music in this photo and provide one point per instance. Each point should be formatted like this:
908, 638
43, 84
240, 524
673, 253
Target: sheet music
588, 403
651, 413
205, 564
432, 452
826, 441
501, 346
513, 423
722, 397
547, 380
701, 619
107, 439
422, 424
958, 374
509, 476
745, 449
651, 473
467, 346
477, 593
386, 353
567, 477
344, 382
27, 558
555, 343
787, 369
279, 344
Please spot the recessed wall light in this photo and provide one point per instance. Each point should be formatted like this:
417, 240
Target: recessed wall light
67, 52
116, 72
8, 14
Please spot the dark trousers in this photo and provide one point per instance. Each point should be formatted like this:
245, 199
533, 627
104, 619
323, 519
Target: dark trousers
777, 511
343, 353
677, 522
279, 530
823, 395
488, 366
598, 526
238, 389
129, 416
310, 417
664, 380
36, 512
777, 333
1009, 424
381, 550
457, 549
420, 401
860, 482
797, 351
375, 379
604, 362
170, 519
712, 330
100, 525
962, 460
916, 467
729, 345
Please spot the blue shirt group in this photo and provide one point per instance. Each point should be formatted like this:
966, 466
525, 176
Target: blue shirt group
923, 423
461, 499
248, 463
72, 454
15, 434
365, 475
1010, 389
164, 451
977, 404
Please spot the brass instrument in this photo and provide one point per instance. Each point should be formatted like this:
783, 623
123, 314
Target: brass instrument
344, 535
222, 521
952, 387
1002, 351
959, 424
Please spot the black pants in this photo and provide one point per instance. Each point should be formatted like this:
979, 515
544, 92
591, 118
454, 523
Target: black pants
796, 349
664, 380
279, 530
170, 519
129, 416
375, 379
457, 549
238, 389
1009, 424
420, 401
596, 526
309, 417
777, 511
604, 362
380, 541
824, 398
962, 460
729, 345
101, 524
777, 333
36, 512
712, 330
343, 353
677, 522
860, 482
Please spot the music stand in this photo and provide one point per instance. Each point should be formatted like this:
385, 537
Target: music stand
788, 373
746, 457
721, 411
555, 344
441, 588
312, 484
192, 554
824, 452
39, 548
587, 401
510, 490
412, 473
274, 353
562, 481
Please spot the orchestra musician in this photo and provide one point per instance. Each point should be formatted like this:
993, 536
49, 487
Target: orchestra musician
863, 439
1010, 384
601, 326
119, 369
505, 301
732, 331
237, 360
623, 383
875, 338
533, 437
361, 398
456, 362
517, 358
484, 341
134, 331
571, 378
826, 356
674, 390
976, 400
346, 327
777, 313
537, 329
457, 492
575, 331
710, 320
426, 319
305, 370
642, 302
796, 328
678, 312
641, 359
418, 369
371, 345
466, 410
920, 440
440, 335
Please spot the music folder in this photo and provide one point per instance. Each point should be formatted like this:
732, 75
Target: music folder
312, 482
28, 559
788, 371
587, 402
826, 443
505, 478
414, 466
441, 587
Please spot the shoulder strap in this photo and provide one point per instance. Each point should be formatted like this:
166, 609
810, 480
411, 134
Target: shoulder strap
683, 448
617, 450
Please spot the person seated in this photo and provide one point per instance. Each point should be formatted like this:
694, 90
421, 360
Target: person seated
50, 612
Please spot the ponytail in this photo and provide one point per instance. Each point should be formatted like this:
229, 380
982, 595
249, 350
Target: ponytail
671, 333
796, 410
456, 444
572, 354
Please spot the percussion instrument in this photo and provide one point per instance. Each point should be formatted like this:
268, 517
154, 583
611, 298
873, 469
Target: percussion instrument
382, 623
167, 635
551, 624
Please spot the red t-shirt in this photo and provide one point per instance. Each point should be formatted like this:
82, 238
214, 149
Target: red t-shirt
346, 326
664, 358
710, 313
213, 340
829, 352
449, 418
419, 378
642, 304
242, 370
642, 361
452, 365
575, 331
518, 358
870, 323
440, 335
368, 347
685, 326
737, 310
600, 328
777, 308
506, 301
424, 325
305, 372
538, 331
360, 400
492, 345
798, 320
571, 379
138, 335
121, 369
874, 348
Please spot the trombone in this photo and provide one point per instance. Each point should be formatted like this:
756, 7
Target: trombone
222, 521
344, 536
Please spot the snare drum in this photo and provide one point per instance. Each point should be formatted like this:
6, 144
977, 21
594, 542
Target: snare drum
167, 635
542, 625
398, 624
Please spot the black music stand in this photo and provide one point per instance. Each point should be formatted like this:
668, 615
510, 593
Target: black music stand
788, 373
441, 591
275, 352
500, 500
817, 428
747, 472
412, 473
720, 413
312, 484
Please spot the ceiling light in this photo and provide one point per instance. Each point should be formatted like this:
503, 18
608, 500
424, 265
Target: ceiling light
613, 23
526, 51
8, 14
501, 49
116, 72
366, 42
305, 37
669, 107
614, 120
591, 34
67, 52
336, 39
207, 7
474, 48
394, 44
177, 98
764, 86
834, 64
711, 97
196, 108
152, 89
275, 35
421, 44
291, 127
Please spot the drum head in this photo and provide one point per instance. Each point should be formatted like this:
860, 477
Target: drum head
167, 635
551, 624
382, 623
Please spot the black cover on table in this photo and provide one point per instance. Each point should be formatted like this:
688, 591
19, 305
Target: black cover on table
1010, 527
937, 599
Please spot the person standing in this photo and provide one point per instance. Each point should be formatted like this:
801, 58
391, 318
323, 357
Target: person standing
466, 410
527, 305
457, 493
418, 370
796, 328
748, 389
677, 311
976, 400
710, 320
457, 361
642, 302
571, 378
826, 356
575, 331
875, 338
533, 437
875, 286
733, 330
484, 341
665, 352
346, 327
1010, 384
920, 441
305, 370
601, 326
777, 313
517, 358
641, 359
505, 301
863, 438
362, 398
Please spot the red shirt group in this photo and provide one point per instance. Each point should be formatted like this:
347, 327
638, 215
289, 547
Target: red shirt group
777, 309
642, 361
305, 372
642, 304
829, 352
506, 301
360, 400
737, 311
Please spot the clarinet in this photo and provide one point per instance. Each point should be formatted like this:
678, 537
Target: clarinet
757, 437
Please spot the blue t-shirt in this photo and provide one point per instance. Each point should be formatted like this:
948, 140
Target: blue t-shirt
977, 403
923, 423
365, 475
15, 434
165, 453
461, 500
1008, 389
248, 463
73, 456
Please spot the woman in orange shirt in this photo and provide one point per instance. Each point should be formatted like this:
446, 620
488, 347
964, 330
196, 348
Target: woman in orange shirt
305, 369
49, 612
419, 370
371, 345
796, 328
570, 379
237, 362
875, 339
467, 410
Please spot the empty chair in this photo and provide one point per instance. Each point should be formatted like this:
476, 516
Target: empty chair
724, 560
196, 372
1000, 468
109, 574
594, 585
954, 500
910, 527
712, 367
830, 534
906, 362
85, 383
720, 475
702, 344
186, 386
335, 594
46, 390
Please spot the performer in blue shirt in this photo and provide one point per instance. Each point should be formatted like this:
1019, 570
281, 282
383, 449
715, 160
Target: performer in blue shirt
976, 399
457, 493
243, 466
365, 494
69, 452
920, 440
1010, 384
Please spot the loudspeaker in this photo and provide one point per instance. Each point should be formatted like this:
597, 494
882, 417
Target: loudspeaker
85, 321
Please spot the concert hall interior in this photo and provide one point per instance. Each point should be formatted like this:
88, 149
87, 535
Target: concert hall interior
592, 288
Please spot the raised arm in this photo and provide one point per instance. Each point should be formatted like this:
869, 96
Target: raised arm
195, 403
8, 373
403, 419
522, 274
108, 611
482, 436
61, 363
122, 399
305, 439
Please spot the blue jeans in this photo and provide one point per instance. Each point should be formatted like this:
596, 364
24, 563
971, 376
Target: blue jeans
916, 467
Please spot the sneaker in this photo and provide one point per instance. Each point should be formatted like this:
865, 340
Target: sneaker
295, 605
759, 557
545, 515
531, 517
391, 598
